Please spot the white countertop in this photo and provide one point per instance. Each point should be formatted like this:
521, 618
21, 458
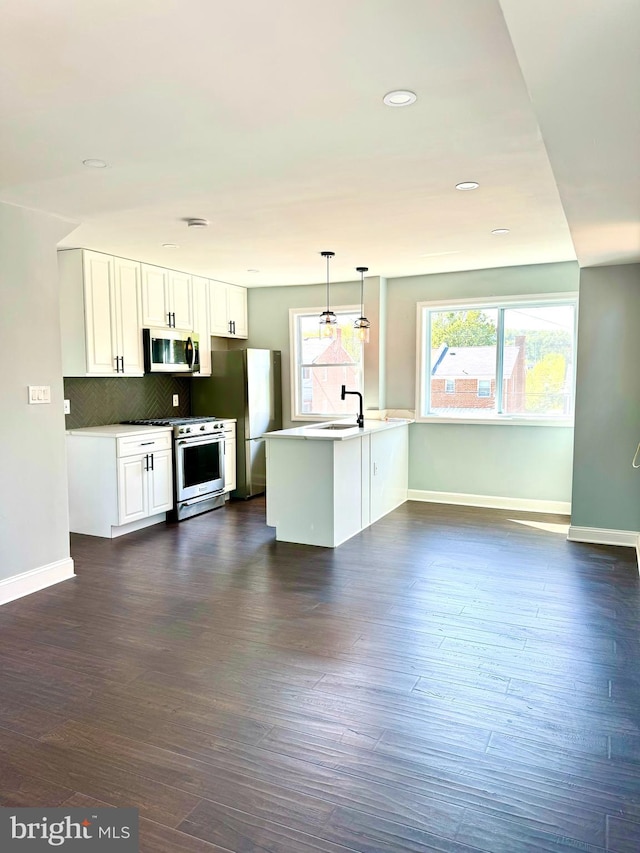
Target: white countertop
118, 430
318, 431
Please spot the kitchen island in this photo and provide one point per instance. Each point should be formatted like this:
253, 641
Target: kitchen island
327, 482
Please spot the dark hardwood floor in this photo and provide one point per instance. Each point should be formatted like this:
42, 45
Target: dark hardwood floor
452, 679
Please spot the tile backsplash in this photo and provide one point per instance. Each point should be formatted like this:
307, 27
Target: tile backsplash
110, 400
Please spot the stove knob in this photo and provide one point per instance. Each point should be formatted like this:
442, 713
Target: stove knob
187, 429
202, 428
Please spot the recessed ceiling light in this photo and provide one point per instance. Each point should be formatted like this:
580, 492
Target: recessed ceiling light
197, 223
93, 163
500, 231
467, 185
400, 98
170, 246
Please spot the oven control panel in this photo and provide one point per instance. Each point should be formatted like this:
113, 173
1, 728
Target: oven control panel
200, 428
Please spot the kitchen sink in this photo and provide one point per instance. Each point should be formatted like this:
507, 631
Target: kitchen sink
339, 426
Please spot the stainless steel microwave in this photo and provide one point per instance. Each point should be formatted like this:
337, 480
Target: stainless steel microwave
170, 351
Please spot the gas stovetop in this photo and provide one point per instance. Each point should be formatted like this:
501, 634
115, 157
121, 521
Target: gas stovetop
185, 426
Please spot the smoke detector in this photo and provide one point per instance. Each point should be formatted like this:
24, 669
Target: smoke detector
197, 223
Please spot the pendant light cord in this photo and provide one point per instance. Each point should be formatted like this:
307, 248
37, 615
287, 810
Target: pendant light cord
328, 257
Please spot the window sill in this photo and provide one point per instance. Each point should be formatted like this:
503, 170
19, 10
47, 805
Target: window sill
319, 418
498, 420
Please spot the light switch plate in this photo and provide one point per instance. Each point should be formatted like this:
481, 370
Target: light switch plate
39, 394
176, 400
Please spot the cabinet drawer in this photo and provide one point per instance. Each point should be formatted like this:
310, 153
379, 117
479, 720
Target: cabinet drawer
133, 444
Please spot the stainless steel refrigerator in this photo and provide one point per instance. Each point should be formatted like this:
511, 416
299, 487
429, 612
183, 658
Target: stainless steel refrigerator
244, 384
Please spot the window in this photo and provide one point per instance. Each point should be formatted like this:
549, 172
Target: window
484, 387
511, 359
320, 366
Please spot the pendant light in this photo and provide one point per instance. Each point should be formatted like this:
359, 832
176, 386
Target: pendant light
328, 319
362, 325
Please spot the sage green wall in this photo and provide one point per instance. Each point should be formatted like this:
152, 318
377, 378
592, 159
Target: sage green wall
269, 321
501, 461
606, 489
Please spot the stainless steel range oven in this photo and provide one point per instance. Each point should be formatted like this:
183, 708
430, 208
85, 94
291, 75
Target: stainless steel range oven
198, 464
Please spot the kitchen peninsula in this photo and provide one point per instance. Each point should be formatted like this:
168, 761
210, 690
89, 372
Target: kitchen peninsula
327, 482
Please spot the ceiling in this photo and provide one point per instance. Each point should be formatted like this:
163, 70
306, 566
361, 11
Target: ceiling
266, 119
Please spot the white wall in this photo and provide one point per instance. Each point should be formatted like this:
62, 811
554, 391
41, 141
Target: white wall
34, 528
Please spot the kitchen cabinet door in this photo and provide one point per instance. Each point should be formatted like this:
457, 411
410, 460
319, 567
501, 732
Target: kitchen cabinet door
100, 314
160, 482
230, 466
228, 310
388, 470
155, 309
133, 495
218, 309
201, 323
179, 299
237, 310
128, 316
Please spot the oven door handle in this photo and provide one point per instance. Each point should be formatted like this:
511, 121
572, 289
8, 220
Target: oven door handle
205, 439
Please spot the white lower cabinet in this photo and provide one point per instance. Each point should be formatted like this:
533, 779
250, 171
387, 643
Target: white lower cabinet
144, 485
230, 466
324, 491
230, 475
120, 478
388, 467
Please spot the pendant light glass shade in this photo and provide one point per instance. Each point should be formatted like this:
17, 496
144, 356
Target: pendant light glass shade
362, 325
328, 319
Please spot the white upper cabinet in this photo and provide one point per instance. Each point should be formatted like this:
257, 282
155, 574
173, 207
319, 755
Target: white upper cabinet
100, 315
167, 300
218, 310
155, 312
228, 310
237, 307
180, 300
201, 323
128, 315
99, 296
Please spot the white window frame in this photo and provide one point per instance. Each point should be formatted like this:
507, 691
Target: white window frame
294, 348
501, 303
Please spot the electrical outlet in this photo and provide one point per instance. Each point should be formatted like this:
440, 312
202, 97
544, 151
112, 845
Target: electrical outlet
67, 407
176, 400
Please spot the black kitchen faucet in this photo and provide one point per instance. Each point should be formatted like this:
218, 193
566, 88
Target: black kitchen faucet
360, 414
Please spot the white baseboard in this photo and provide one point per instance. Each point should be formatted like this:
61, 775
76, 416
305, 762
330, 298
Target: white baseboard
604, 536
36, 579
132, 526
491, 502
